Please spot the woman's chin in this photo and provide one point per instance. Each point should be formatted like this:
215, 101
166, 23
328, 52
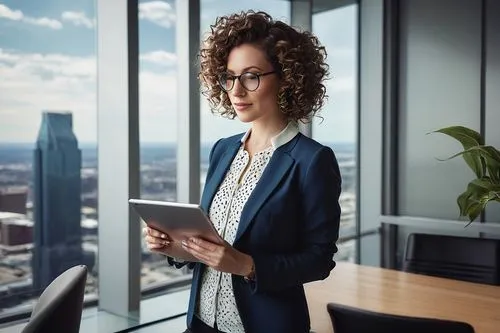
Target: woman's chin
245, 118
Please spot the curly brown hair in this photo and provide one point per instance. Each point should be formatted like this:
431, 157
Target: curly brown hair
297, 56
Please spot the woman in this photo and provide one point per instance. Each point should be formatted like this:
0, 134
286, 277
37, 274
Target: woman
271, 193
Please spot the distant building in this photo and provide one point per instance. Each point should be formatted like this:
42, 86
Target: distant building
15, 230
18, 232
57, 202
13, 200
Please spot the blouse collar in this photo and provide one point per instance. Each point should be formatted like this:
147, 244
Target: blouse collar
285, 136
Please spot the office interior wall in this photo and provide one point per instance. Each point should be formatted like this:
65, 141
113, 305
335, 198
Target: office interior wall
447, 77
440, 76
492, 88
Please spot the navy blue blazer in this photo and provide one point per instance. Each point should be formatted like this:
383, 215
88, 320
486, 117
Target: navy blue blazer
289, 226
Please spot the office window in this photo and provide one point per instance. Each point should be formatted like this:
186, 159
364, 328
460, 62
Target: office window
337, 31
157, 120
214, 127
48, 147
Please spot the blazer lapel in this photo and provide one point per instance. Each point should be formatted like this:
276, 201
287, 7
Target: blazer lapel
277, 168
220, 171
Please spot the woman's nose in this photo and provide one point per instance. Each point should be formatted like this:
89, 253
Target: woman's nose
238, 89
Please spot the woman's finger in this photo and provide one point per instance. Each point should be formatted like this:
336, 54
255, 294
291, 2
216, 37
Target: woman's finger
193, 246
155, 240
154, 246
199, 254
156, 233
203, 244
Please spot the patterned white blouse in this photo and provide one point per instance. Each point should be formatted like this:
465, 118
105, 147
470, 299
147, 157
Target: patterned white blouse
216, 302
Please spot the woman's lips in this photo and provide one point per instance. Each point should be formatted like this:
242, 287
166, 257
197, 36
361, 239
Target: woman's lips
241, 106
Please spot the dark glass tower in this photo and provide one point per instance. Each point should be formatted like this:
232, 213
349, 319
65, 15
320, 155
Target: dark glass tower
57, 199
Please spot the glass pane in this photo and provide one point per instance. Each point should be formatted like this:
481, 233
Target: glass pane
48, 152
347, 251
337, 31
158, 121
214, 127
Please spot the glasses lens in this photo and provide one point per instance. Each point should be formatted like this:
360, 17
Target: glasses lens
226, 81
250, 81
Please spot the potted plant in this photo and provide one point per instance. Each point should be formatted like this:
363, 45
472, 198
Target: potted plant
484, 160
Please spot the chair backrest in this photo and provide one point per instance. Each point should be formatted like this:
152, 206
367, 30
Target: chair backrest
59, 308
347, 319
461, 258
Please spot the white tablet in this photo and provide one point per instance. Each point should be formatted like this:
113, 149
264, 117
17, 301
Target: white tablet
179, 220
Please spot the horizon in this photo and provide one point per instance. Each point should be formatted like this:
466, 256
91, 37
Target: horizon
151, 143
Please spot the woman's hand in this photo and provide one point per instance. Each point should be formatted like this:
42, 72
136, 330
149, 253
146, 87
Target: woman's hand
223, 258
156, 241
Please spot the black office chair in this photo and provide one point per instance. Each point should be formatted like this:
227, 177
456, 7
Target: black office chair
460, 258
346, 319
59, 308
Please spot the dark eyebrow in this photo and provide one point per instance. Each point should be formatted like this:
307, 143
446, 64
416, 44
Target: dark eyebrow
245, 69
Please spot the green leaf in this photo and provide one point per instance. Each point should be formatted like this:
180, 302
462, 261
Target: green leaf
463, 202
493, 196
492, 158
466, 136
484, 151
489, 157
477, 196
476, 163
484, 185
474, 212
473, 159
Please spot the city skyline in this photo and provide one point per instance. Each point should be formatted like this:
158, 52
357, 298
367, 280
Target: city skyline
48, 60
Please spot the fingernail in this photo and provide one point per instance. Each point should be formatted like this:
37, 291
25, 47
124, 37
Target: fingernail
166, 242
184, 243
163, 236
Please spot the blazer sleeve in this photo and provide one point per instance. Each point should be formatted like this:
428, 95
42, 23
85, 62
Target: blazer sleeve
320, 220
177, 263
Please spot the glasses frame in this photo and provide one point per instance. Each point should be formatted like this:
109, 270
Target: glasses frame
234, 77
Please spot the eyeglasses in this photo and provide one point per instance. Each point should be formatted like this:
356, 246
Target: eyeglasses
249, 81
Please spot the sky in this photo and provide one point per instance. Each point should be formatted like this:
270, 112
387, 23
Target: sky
48, 62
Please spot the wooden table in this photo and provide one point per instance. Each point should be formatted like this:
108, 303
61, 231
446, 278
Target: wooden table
401, 293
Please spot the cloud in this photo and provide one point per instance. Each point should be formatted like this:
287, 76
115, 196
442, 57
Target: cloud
17, 15
157, 12
160, 57
157, 106
44, 22
33, 82
78, 19
10, 14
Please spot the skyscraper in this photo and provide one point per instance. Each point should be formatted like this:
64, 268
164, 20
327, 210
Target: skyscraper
57, 202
